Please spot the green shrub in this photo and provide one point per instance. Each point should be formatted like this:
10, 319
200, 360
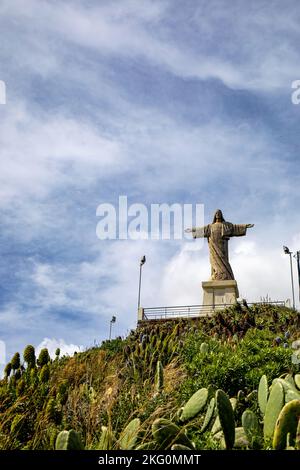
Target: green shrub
233, 367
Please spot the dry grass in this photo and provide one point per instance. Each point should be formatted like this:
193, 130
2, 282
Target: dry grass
174, 375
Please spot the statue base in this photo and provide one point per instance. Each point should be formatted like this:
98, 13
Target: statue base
217, 294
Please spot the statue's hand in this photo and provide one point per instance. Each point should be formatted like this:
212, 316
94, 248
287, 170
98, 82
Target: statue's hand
250, 225
188, 230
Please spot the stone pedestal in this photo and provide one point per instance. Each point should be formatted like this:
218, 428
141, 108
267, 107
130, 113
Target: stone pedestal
219, 293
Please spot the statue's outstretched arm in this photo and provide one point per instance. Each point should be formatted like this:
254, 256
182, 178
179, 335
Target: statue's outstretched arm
197, 232
238, 230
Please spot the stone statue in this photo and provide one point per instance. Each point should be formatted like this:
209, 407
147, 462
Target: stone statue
218, 234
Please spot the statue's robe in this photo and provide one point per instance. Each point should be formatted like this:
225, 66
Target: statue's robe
218, 234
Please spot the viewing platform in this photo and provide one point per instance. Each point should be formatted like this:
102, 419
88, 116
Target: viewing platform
191, 311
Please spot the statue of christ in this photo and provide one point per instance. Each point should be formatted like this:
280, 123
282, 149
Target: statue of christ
218, 233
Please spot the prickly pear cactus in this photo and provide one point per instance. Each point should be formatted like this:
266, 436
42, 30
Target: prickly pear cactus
129, 435
273, 408
291, 395
209, 414
263, 392
166, 433
286, 384
195, 404
250, 425
226, 417
68, 440
289, 379
217, 424
297, 381
287, 423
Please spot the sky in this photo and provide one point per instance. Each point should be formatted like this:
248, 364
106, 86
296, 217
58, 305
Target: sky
163, 101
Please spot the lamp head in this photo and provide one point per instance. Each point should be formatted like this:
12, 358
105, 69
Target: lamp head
143, 260
286, 250
113, 320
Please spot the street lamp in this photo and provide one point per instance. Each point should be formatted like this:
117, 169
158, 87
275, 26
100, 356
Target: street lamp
113, 320
297, 256
288, 252
142, 262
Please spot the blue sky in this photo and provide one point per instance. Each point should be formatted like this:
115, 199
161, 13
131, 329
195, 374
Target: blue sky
162, 101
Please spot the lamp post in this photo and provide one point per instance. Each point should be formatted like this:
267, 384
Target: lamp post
288, 252
113, 320
142, 262
297, 256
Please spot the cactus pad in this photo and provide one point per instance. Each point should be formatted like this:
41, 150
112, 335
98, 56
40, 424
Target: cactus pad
286, 424
68, 440
167, 433
195, 404
226, 417
209, 415
250, 424
297, 381
263, 392
129, 435
273, 408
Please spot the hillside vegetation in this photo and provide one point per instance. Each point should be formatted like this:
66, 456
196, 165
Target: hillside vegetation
210, 383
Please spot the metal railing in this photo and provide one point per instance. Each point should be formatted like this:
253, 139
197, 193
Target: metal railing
191, 311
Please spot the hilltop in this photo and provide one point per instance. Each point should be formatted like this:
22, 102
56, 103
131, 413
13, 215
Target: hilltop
132, 392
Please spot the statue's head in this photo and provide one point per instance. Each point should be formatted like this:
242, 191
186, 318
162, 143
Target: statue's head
218, 217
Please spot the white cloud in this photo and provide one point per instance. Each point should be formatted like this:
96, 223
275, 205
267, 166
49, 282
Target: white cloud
152, 154
102, 287
40, 153
246, 248
52, 344
267, 59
